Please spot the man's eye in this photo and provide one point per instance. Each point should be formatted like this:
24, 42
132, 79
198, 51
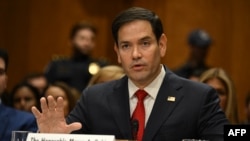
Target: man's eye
2, 72
28, 98
125, 46
146, 43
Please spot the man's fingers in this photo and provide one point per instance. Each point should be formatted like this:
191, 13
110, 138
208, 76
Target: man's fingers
74, 126
51, 103
44, 106
36, 112
60, 106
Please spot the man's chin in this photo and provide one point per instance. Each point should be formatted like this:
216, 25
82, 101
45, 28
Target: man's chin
141, 78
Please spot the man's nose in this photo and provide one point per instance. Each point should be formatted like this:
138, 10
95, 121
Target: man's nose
136, 54
22, 102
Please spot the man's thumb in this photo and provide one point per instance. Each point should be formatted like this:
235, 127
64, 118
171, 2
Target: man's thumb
74, 126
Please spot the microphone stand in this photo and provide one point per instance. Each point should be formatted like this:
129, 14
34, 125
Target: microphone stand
135, 128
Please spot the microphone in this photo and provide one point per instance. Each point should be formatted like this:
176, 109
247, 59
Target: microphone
135, 128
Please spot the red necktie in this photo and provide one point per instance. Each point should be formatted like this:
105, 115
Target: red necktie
139, 113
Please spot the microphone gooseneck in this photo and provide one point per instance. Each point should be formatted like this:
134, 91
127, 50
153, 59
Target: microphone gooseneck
135, 128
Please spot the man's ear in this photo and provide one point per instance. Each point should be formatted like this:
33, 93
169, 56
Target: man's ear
163, 45
117, 53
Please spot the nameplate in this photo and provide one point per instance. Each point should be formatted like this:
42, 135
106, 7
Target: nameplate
68, 137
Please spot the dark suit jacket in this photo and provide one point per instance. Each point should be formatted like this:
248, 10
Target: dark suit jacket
12, 119
195, 113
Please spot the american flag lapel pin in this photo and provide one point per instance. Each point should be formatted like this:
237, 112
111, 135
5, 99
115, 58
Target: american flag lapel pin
171, 99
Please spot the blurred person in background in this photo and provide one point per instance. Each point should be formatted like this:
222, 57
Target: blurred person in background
60, 89
24, 96
79, 68
199, 43
12, 119
37, 80
247, 109
222, 83
107, 73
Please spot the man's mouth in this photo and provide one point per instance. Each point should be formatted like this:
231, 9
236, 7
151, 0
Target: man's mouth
138, 67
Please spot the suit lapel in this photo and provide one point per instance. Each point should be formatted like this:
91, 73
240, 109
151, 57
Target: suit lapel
119, 105
163, 106
4, 120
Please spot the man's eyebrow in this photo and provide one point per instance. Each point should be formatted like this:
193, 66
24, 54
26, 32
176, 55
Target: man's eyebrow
124, 42
142, 39
145, 38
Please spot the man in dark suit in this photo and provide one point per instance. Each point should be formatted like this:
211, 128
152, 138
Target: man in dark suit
199, 42
15, 120
150, 103
11, 119
77, 70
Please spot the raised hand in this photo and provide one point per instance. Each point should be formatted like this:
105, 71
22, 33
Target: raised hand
51, 119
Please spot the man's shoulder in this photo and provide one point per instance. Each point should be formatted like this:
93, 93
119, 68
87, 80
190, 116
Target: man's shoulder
106, 87
17, 115
186, 85
194, 84
16, 120
58, 63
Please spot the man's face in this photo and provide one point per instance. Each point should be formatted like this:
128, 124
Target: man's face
3, 76
139, 52
199, 54
84, 41
39, 82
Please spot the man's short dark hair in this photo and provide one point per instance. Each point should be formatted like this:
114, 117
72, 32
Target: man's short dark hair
137, 13
4, 55
81, 25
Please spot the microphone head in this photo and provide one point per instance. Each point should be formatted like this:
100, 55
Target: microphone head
135, 125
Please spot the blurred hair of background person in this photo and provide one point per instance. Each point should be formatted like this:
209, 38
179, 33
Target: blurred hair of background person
199, 43
60, 89
107, 73
24, 96
77, 70
247, 109
222, 83
37, 80
11, 119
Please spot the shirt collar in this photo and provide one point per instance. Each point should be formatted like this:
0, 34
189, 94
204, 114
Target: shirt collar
152, 89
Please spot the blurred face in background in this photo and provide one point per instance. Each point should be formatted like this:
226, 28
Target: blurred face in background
84, 41
199, 54
221, 89
39, 82
24, 99
3, 76
58, 92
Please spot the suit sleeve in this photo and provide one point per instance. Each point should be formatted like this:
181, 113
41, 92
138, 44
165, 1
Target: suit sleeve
212, 118
31, 124
80, 114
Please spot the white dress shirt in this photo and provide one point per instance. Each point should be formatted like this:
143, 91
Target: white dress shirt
152, 91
